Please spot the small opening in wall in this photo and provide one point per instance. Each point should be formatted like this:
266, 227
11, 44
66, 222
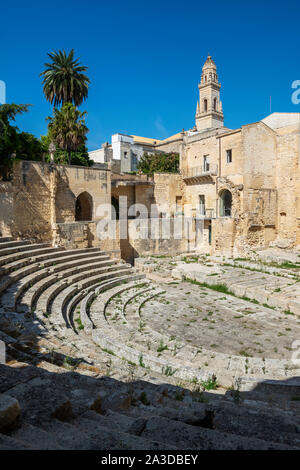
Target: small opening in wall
84, 207
205, 163
229, 156
115, 204
225, 203
201, 204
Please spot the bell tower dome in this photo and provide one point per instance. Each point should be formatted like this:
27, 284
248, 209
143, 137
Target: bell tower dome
209, 113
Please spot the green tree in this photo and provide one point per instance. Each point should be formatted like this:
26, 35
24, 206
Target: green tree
61, 157
159, 163
67, 129
64, 80
29, 147
13, 143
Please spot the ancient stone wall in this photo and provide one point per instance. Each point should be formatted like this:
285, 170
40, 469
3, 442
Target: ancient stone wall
223, 235
32, 211
74, 180
40, 195
85, 235
6, 208
170, 146
195, 151
287, 181
156, 237
168, 188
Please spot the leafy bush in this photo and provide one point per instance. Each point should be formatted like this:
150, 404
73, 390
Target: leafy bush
159, 163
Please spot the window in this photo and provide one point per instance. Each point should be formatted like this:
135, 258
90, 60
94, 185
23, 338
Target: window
125, 154
215, 104
229, 156
201, 204
206, 163
205, 105
178, 203
134, 161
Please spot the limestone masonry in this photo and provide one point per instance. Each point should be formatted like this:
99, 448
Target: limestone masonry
241, 187
243, 184
146, 339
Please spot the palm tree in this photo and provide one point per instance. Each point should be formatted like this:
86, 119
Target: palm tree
64, 80
67, 128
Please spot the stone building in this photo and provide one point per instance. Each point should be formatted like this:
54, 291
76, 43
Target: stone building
243, 183
239, 187
58, 203
125, 151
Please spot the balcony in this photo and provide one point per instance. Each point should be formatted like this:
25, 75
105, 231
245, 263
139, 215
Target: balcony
207, 214
200, 174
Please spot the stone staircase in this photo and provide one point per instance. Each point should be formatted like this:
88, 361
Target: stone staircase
73, 411
84, 371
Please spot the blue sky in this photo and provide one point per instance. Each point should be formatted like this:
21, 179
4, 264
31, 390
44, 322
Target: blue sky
145, 59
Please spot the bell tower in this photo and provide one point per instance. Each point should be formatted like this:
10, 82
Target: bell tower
209, 113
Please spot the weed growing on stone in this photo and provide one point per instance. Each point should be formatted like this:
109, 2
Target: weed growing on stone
168, 371
141, 361
162, 347
210, 384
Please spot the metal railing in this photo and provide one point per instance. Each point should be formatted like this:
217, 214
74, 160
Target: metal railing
203, 170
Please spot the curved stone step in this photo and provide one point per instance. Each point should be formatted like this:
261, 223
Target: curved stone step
115, 438
47, 259
55, 265
229, 365
6, 239
29, 254
28, 299
62, 272
27, 286
107, 297
109, 339
100, 310
185, 436
71, 287
86, 296
162, 423
24, 246
36, 438
58, 308
222, 365
13, 244
135, 331
259, 286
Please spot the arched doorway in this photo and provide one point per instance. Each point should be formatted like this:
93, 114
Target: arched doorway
84, 207
225, 203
